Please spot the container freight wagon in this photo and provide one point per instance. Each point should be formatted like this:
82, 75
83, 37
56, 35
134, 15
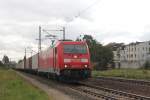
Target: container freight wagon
28, 64
20, 65
35, 62
67, 60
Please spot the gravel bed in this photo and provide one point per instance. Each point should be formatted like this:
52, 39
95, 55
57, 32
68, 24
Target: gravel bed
122, 86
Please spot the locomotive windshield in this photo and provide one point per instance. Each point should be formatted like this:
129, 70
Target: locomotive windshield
75, 49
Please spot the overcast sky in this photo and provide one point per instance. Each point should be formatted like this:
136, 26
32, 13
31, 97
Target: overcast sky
106, 20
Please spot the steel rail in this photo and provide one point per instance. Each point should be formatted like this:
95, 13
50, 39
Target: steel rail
132, 81
94, 94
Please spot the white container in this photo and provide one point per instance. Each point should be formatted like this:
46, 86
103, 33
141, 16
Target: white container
35, 62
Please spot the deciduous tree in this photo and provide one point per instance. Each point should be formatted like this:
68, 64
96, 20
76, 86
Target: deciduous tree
102, 55
5, 59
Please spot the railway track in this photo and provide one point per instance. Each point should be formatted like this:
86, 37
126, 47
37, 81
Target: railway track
97, 94
111, 94
139, 87
131, 81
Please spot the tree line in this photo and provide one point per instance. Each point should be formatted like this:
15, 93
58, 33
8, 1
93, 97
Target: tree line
6, 62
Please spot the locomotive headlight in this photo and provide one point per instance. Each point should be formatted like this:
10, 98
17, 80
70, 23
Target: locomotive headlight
66, 66
85, 66
67, 60
84, 60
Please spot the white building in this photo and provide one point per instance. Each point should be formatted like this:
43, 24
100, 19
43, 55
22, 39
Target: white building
132, 55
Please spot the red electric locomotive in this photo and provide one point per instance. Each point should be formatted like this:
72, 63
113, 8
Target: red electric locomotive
66, 60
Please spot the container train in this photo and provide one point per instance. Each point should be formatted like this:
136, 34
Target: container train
69, 60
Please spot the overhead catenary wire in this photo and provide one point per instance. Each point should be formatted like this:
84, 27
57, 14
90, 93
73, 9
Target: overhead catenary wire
87, 8
81, 12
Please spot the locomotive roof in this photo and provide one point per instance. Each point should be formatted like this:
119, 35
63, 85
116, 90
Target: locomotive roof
68, 42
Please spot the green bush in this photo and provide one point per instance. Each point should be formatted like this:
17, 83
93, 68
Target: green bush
146, 65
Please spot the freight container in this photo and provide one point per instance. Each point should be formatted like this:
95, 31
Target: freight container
20, 65
35, 62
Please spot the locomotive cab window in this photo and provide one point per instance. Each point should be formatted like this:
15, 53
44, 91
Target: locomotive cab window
75, 48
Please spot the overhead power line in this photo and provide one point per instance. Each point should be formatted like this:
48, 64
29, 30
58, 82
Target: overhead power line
84, 10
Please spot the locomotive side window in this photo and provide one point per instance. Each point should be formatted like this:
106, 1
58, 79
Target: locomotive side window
75, 49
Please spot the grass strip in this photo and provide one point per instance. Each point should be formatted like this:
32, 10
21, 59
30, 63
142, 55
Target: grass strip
13, 87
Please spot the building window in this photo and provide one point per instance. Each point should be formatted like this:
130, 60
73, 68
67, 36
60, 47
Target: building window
143, 55
146, 49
